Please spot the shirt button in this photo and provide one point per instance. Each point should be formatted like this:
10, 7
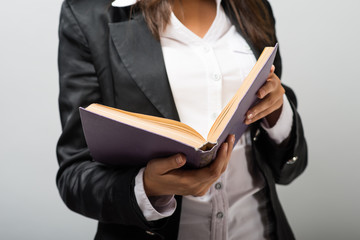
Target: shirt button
257, 133
206, 48
220, 215
218, 186
214, 116
217, 77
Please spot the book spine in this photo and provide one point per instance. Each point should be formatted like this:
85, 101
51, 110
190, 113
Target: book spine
206, 157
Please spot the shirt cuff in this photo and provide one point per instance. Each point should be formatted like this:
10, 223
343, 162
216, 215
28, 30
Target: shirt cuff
282, 128
153, 208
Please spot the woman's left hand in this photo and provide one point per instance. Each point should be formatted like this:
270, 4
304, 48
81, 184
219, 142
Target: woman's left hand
271, 95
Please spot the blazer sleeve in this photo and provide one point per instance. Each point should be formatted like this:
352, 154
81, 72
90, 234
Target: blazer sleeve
87, 187
288, 160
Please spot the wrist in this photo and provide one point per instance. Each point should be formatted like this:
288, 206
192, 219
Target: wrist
147, 185
153, 208
273, 117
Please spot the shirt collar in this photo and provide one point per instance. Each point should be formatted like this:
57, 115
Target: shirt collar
125, 3
176, 30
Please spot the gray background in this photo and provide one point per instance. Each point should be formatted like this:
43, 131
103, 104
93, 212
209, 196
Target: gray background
319, 43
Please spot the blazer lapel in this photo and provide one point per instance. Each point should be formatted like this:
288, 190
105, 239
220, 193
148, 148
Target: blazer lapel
142, 56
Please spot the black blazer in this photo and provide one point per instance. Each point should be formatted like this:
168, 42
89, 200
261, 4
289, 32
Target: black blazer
106, 57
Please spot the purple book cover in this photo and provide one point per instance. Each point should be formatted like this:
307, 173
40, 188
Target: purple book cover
236, 124
115, 143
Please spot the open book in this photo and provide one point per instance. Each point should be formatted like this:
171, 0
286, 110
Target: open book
119, 137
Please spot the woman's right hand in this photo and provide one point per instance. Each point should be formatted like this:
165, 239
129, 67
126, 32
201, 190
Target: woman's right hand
163, 176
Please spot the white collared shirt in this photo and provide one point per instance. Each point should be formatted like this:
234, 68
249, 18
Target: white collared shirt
123, 3
204, 73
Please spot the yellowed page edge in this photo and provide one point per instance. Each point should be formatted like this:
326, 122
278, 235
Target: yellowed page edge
159, 127
224, 117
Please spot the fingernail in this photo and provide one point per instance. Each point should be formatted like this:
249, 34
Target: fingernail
232, 138
179, 160
250, 116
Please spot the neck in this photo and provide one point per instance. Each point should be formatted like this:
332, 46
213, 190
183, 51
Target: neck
196, 15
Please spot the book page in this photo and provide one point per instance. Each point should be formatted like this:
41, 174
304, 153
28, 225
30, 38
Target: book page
162, 126
227, 113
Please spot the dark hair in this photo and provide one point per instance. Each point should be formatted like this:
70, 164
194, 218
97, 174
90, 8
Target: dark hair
253, 17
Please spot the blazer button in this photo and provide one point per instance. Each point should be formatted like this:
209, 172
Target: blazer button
293, 160
150, 233
257, 133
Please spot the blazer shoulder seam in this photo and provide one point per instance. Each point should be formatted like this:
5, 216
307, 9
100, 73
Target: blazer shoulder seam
68, 4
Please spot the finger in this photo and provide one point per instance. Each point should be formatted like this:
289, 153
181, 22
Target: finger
231, 141
270, 85
223, 157
213, 170
164, 165
202, 179
219, 167
205, 177
266, 111
231, 144
272, 69
267, 102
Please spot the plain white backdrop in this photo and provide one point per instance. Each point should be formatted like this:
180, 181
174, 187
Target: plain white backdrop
319, 45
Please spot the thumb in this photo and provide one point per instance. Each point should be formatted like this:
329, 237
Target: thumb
165, 165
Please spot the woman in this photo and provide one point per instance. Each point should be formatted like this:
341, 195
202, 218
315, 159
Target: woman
179, 60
